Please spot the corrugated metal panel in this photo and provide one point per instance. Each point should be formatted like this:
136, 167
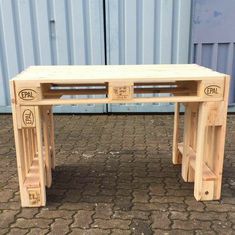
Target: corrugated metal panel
49, 32
214, 37
147, 32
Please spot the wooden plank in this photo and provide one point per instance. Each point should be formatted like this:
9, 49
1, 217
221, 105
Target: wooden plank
40, 156
220, 136
200, 150
47, 154
52, 141
190, 118
98, 91
207, 174
179, 99
95, 73
176, 156
19, 148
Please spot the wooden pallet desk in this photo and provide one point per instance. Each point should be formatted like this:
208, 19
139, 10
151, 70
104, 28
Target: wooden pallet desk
203, 92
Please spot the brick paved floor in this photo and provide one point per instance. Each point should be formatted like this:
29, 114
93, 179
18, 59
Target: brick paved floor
114, 176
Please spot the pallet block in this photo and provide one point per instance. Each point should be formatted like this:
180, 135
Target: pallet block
203, 92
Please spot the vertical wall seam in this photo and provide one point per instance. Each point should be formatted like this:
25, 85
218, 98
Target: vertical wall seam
18, 39
3, 59
105, 32
34, 30
51, 21
69, 30
86, 32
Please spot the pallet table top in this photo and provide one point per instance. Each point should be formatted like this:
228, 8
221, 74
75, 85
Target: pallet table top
118, 84
103, 73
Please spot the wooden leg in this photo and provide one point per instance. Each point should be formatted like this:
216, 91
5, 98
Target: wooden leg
20, 156
189, 142
30, 163
47, 147
41, 164
210, 150
210, 147
52, 142
176, 155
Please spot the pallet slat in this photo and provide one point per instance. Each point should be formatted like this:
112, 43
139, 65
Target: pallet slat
207, 172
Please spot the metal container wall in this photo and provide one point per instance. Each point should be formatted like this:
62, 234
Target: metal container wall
213, 37
42, 32
147, 32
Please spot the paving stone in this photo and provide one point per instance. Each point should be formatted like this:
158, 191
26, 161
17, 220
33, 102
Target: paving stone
52, 214
30, 223
231, 217
191, 225
6, 195
83, 219
38, 231
140, 227
220, 207
103, 211
18, 231
77, 206
160, 220
60, 226
177, 207
143, 215
4, 231
167, 199
204, 232
179, 215
6, 218
193, 205
140, 196
128, 180
120, 232
207, 216
222, 227
150, 206
172, 232
112, 223
92, 231
28, 213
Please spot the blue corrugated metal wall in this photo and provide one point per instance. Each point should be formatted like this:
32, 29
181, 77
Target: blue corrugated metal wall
78, 32
147, 32
213, 37
49, 32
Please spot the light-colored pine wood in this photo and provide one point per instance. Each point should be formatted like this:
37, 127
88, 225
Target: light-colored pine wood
52, 141
46, 138
190, 120
42, 175
19, 148
208, 174
200, 150
176, 155
38, 88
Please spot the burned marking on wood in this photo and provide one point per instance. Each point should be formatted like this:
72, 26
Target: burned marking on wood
212, 90
27, 94
34, 197
122, 93
28, 117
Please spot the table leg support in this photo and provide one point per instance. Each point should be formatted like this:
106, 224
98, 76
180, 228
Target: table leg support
176, 155
210, 150
189, 141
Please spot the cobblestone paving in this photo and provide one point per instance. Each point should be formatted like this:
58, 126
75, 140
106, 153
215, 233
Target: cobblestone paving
114, 176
